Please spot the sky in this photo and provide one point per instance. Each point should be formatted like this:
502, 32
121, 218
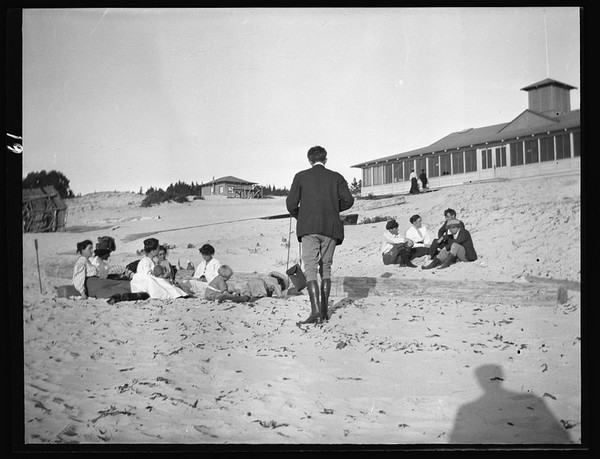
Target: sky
125, 99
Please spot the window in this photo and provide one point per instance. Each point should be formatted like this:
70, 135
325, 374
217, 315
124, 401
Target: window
387, 173
398, 171
563, 146
434, 166
577, 143
366, 180
547, 149
377, 173
458, 163
500, 156
445, 164
408, 166
221, 188
516, 153
470, 160
531, 151
486, 158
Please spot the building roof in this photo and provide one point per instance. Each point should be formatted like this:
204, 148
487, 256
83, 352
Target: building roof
229, 179
547, 82
472, 137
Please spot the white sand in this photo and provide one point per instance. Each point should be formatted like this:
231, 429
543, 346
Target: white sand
388, 368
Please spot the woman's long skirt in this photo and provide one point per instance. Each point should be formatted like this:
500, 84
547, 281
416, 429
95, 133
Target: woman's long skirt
105, 288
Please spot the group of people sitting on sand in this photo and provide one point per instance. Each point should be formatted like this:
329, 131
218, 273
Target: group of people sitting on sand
153, 276
453, 243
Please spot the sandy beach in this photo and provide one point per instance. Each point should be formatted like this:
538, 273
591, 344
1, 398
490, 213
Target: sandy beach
479, 353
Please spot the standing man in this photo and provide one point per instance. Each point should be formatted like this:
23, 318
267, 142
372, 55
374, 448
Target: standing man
316, 198
423, 178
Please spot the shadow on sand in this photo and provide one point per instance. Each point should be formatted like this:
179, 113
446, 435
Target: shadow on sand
503, 417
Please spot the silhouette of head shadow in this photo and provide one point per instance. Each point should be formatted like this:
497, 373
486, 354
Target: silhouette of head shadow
503, 417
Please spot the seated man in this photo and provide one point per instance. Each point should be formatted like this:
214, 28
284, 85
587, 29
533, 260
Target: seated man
420, 236
460, 247
395, 248
443, 234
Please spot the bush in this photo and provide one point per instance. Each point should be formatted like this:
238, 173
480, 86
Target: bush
377, 219
52, 178
175, 192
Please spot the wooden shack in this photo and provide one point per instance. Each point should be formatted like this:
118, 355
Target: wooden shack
43, 210
232, 187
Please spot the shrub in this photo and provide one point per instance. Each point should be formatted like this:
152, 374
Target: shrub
377, 219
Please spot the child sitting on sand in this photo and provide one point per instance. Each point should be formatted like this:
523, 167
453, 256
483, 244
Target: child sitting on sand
218, 289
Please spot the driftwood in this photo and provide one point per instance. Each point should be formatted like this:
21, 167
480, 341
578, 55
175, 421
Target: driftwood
517, 293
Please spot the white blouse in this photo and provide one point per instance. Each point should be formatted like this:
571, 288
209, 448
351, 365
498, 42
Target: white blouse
82, 269
209, 270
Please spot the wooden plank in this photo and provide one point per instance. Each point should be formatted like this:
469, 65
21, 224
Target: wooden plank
517, 293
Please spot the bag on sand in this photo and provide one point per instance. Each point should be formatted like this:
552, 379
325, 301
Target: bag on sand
297, 277
66, 291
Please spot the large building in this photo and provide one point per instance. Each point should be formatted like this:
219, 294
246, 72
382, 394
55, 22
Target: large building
544, 139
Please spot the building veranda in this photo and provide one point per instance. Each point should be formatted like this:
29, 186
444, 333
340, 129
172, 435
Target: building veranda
544, 139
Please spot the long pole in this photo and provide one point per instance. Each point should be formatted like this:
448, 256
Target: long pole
37, 258
289, 244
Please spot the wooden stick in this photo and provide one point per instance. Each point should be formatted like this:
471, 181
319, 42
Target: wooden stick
35, 241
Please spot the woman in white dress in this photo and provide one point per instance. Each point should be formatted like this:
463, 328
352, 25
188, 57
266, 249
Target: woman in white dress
205, 272
145, 281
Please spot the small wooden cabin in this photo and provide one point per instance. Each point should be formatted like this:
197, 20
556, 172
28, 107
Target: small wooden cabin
232, 187
43, 210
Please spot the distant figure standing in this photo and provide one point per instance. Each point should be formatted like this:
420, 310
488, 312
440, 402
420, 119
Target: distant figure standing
414, 184
316, 198
423, 178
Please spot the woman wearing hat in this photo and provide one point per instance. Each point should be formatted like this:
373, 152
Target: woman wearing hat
460, 247
395, 249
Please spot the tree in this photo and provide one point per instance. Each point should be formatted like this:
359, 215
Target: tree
52, 178
355, 186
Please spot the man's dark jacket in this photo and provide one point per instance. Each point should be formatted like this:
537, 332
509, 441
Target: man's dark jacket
464, 238
316, 198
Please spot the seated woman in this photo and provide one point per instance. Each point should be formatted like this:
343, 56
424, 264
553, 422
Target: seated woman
87, 281
105, 270
205, 272
144, 279
163, 267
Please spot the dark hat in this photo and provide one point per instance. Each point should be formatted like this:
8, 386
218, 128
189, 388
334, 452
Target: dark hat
106, 243
391, 224
207, 249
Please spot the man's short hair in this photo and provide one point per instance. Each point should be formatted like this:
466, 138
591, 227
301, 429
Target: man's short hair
451, 212
414, 218
316, 154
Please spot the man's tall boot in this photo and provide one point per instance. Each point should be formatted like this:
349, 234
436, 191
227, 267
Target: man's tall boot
450, 259
435, 262
325, 290
315, 309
